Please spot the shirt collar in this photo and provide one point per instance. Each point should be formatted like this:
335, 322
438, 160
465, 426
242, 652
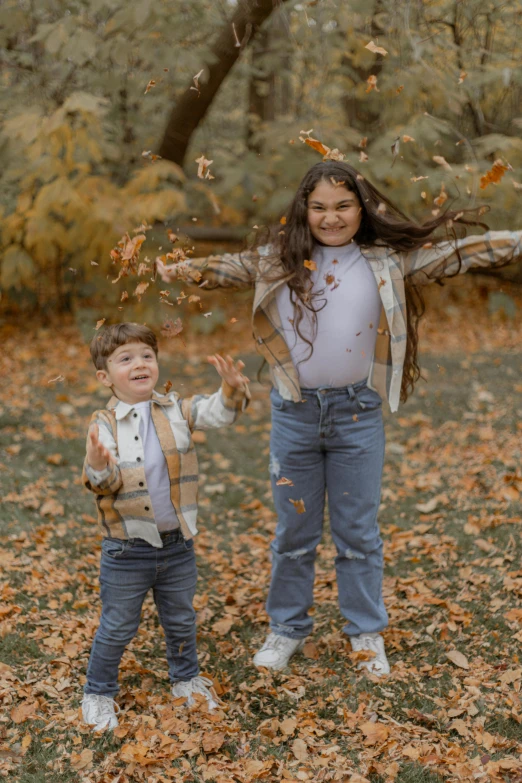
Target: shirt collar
122, 409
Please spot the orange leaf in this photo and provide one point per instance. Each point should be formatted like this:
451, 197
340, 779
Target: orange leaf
374, 732
376, 49
310, 265
298, 505
494, 175
372, 83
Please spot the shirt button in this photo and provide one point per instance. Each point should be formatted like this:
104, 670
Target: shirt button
138, 459
141, 483
147, 508
136, 437
135, 415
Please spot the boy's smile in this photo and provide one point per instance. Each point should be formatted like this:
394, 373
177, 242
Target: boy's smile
132, 372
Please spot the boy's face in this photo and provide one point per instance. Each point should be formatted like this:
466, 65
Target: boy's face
132, 372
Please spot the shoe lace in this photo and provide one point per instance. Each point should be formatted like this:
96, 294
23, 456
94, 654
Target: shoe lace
276, 642
368, 642
201, 684
105, 707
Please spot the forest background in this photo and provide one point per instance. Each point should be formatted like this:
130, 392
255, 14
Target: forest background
111, 112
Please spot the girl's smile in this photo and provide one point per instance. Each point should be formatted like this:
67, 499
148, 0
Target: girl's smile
334, 214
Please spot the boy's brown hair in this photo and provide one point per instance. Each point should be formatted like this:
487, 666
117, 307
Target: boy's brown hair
111, 337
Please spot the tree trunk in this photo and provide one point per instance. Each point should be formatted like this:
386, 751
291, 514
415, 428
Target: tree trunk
193, 104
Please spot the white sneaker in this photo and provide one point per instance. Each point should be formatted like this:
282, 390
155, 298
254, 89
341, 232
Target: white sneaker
100, 711
277, 651
196, 685
371, 641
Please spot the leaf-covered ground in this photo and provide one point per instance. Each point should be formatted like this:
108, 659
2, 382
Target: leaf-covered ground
451, 520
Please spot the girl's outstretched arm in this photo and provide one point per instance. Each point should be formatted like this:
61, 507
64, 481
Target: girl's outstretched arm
231, 270
445, 259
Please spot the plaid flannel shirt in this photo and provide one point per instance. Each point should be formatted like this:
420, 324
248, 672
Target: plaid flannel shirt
122, 498
260, 268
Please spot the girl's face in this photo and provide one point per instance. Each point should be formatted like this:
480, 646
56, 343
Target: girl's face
334, 214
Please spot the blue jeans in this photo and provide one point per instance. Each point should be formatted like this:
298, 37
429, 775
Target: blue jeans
332, 442
128, 569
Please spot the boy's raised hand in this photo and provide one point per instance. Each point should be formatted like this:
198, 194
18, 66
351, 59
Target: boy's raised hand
229, 371
98, 456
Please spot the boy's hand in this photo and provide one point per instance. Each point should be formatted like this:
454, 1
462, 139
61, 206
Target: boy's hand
98, 457
229, 371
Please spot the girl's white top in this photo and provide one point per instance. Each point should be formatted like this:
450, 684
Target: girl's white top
346, 332
156, 473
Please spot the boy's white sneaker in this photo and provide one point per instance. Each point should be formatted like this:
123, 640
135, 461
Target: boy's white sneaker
371, 641
196, 685
277, 651
100, 711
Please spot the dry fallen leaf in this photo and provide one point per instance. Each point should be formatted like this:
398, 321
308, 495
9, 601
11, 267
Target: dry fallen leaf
310, 265
374, 732
284, 482
458, 658
82, 760
299, 749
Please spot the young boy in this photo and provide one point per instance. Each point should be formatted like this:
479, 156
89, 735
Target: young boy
142, 466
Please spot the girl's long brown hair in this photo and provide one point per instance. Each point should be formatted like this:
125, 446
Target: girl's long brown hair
382, 223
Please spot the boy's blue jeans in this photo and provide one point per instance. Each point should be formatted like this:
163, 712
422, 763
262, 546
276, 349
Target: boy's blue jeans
129, 568
332, 442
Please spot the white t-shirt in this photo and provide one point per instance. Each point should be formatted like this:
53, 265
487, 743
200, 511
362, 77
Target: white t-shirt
344, 341
156, 472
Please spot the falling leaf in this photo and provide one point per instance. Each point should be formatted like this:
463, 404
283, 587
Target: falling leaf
124, 296
363, 142
196, 79
495, 174
442, 162
363, 157
203, 166
99, 324
376, 49
172, 328
298, 505
58, 379
406, 139
458, 658
310, 265
355, 417
399, 89
140, 290
381, 209
442, 197
395, 147
417, 179
167, 386
372, 83
316, 145
284, 482
283, 221
462, 76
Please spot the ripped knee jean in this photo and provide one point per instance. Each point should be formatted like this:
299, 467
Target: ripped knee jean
329, 445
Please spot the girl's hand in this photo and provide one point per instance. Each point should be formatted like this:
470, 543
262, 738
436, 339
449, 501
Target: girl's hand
167, 273
229, 371
98, 457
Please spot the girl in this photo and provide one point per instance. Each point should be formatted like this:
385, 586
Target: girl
335, 315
